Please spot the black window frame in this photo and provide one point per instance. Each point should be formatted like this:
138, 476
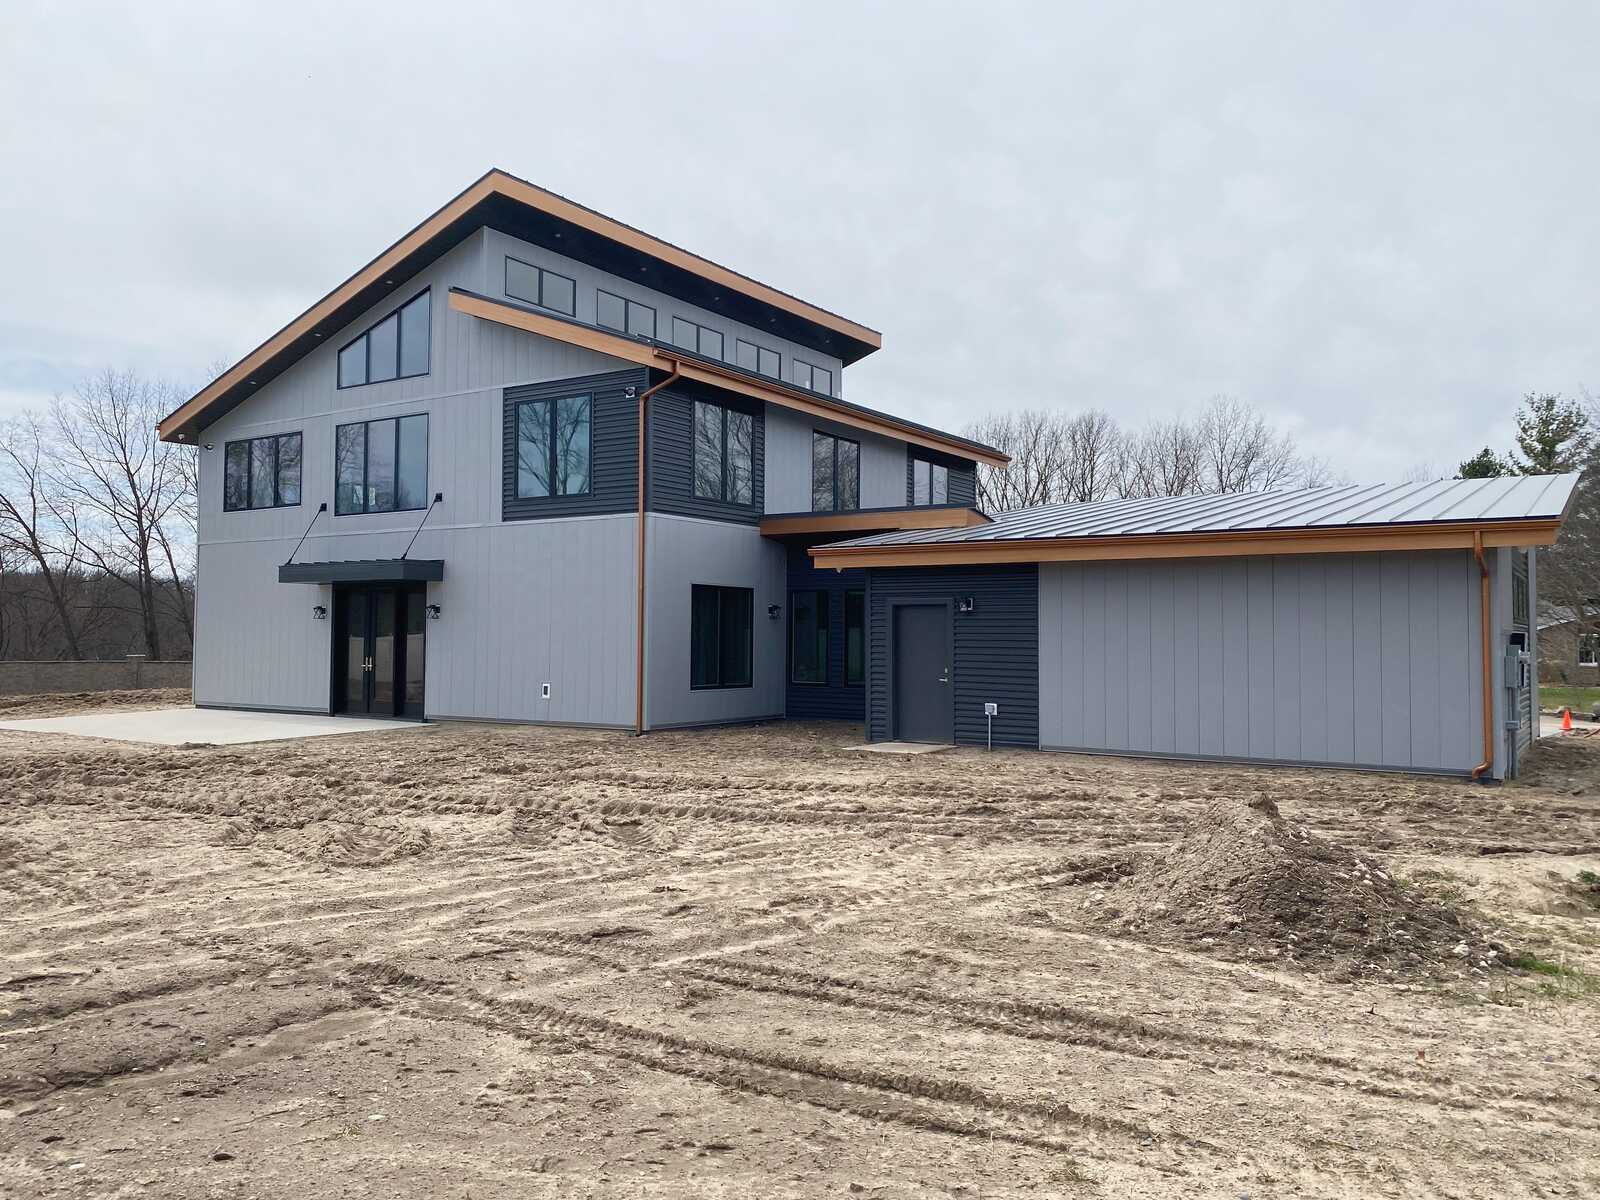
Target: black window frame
249, 471
777, 368
932, 466
699, 339
724, 474
836, 440
746, 598
860, 595
812, 371
540, 272
627, 315
554, 409
366, 459
823, 632
399, 349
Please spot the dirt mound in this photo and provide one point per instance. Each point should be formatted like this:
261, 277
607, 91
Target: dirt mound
337, 843
59, 704
1244, 883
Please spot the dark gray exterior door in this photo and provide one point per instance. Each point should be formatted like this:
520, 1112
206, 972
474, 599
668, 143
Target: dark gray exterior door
924, 698
378, 651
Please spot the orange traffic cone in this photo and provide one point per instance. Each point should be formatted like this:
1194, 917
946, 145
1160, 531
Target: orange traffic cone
1566, 720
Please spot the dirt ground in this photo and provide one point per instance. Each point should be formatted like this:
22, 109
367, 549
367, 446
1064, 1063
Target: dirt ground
497, 961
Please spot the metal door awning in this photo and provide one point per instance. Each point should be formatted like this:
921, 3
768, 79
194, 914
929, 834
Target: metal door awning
364, 570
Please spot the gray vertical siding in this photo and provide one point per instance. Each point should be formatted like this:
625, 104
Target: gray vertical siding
1368, 659
682, 552
996, 647
613, 451
670, 483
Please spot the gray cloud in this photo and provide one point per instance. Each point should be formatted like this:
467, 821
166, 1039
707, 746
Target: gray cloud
1376, 222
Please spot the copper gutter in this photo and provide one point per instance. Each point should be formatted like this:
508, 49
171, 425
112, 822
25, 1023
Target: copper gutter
639, 566
1488, 665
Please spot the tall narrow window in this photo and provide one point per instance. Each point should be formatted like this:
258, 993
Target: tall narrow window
835, 473
808, 637
395, 348
381, 466
724, 453
553, 443
547, 289
720, 636
930, 482
855, 636
262, 472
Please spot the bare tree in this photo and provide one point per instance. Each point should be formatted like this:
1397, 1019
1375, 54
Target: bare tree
109, 464
1165, 458
37, 529
1239, 451
1033, 439
1092, 460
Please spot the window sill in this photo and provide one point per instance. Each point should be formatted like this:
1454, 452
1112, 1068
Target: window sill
262, 508
381, 512
350, 387
720, 687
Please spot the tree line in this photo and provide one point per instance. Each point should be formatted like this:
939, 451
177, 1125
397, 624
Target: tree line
97, 526
1081, 457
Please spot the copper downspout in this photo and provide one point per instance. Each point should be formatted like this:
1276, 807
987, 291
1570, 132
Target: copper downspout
1488, 666
638, 658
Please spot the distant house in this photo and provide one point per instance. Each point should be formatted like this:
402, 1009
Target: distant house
1569, 647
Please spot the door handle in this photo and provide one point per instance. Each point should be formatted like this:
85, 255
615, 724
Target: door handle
945, 678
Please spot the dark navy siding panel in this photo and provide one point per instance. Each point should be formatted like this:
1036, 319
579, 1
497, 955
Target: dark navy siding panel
614, 462
963, 475
996, 647
670, 485
837, 701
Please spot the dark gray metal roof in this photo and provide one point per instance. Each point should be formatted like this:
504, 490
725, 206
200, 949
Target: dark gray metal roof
1443, 501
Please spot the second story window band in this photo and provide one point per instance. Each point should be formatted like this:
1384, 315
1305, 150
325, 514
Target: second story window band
547, 289
262, 472
554, 439
381, 466
835, 473
724, 445
930, 482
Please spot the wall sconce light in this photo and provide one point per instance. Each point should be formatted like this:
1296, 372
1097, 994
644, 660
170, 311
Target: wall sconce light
773, 610
966, 604
319, 613
433, 612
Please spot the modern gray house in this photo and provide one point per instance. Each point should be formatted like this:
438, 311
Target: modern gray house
531, 464
1335, 626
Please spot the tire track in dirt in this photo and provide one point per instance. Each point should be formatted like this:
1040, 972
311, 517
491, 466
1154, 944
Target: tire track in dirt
944, 1106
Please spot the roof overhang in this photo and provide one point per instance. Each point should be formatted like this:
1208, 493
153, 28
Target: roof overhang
364, 570
503, 201
872, 520
1230, 544
692, 366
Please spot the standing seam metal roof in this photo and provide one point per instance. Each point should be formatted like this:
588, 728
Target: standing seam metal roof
1443, 501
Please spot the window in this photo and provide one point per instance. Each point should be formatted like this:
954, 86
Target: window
723, 453
524, 281
720, 636
835, 473
697, 338
855, 637
553, 440
808, 637
758, 359
1589, 650
818, 379
395, 348
381, 466
930, 482
263, 472
1519, 589
625, 316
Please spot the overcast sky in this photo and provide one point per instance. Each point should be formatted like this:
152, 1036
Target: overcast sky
1379, 223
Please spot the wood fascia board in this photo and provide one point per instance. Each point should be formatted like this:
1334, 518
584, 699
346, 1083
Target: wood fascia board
196, 405
560, 207
499, 183
618, 346
910, 518
1108, 549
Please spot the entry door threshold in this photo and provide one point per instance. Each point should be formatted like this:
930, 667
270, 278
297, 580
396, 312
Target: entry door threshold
905, 747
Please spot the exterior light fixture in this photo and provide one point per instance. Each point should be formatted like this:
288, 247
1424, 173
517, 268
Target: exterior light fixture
966, 604
773, 610
433, 612
319, 613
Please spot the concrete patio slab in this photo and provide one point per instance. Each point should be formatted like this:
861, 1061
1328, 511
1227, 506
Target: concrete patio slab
208, 726
904, 747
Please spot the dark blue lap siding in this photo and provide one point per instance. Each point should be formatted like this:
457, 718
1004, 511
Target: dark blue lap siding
996, 647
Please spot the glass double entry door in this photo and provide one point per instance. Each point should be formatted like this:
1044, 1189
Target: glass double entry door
378, 650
